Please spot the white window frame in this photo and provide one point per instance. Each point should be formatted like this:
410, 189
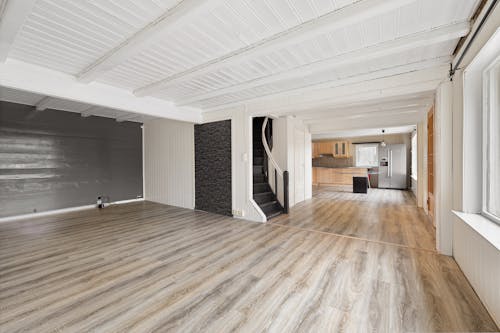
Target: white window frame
491, 86
365, 145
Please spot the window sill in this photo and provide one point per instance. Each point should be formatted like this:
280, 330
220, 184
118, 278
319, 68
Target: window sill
488, 229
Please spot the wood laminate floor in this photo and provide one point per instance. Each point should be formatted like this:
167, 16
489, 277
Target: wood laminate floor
146, 267
382, 215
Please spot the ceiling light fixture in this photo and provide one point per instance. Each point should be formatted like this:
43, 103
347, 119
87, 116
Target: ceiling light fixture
383, 144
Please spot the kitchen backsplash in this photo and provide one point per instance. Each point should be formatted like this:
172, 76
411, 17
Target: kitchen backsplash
331, 162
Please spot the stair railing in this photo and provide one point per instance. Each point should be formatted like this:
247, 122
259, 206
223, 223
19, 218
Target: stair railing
277, 169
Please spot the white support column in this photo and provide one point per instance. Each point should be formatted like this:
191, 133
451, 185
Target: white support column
443, 188
422, 164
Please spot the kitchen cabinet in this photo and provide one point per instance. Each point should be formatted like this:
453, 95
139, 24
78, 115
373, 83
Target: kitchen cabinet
341, 149
315, 150
337, 176
325, 147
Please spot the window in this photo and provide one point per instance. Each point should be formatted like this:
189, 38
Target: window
414, 156
366, 155
491, 141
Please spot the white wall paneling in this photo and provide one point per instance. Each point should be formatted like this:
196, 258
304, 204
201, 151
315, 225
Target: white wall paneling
480, 262
169, 162
443, 140
422, 175
292, 148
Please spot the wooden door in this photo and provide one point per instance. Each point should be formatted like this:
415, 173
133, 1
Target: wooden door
430, 163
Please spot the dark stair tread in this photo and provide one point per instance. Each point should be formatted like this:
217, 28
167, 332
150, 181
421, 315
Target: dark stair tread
264, 197
272, 210
268, 203
263, 194
274, 214
261, 187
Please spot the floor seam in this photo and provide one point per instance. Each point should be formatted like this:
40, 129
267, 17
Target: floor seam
355, 238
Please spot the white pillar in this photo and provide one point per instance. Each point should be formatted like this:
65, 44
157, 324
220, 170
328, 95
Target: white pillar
443, 189
422, 164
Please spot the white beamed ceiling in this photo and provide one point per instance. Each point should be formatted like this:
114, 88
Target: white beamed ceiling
215, 55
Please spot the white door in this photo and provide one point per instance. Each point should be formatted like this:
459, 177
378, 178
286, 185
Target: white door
299, 166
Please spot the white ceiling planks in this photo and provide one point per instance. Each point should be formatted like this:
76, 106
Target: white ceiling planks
70, 35
356, 12
383, 49
13, 14
189, 57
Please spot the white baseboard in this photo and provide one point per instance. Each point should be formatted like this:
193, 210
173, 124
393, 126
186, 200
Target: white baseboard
60, 211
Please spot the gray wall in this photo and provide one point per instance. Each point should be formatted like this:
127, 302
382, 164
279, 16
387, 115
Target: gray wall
56, 159
213, 187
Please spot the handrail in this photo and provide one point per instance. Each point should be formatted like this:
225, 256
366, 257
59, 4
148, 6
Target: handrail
266, 148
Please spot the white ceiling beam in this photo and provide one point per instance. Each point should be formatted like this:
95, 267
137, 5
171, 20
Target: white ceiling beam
340, 99
13, 14
383, 49
356, 12
184, 11
367, 122
32, 78
43, 104
127, 117
379, 105
431, 69
357, 114
365, 132
92, 111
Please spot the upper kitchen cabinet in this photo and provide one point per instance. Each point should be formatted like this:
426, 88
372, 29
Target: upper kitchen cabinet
324, 148
341, 149
315, 150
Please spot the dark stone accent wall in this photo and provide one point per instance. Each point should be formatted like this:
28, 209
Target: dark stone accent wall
212, 143
56, 159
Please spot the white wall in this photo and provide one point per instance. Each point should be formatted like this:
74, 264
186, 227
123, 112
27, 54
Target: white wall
479, 260
422, 164
443, 180
476, 255
169, 162
292, 150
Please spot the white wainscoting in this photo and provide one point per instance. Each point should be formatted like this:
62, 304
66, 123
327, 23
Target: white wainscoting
169, 163
479, 259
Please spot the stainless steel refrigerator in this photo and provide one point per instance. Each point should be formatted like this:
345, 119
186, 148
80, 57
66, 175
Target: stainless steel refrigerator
392, 166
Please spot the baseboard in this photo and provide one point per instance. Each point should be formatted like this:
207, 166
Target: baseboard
60, 211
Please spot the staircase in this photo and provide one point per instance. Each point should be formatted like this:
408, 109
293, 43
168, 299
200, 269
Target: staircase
262, 192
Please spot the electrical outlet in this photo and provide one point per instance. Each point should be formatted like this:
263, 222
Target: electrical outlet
237, 212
